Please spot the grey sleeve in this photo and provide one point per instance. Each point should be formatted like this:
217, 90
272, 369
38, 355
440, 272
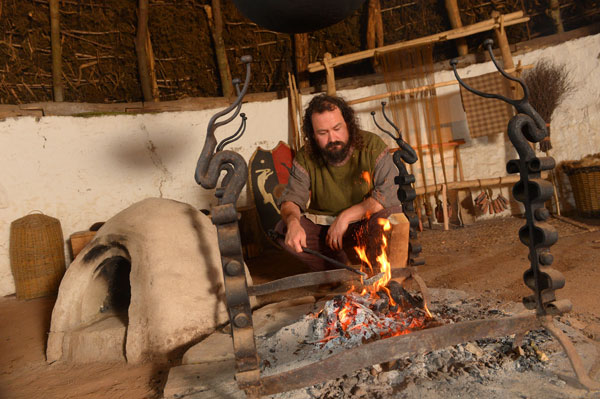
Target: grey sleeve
298, 187
385, 191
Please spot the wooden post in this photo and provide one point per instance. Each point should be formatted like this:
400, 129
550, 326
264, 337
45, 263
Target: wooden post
554, 12
57, 86
140, 47
330, 74
152, 69
215, 23
455, 22
301, 54
502, 40
374, 25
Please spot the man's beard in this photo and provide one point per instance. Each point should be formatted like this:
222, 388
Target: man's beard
333, 153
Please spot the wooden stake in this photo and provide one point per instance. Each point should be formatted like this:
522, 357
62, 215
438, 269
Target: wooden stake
215, 23
140, 47
445, 206
301, 55
454, 16
57, 86
293, 113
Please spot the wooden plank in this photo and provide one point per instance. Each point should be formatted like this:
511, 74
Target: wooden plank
455, 185
81, 109
509, 19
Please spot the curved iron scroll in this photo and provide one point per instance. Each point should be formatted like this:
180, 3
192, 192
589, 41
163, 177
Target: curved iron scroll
225, 217
528, 126
404, 180
211, 164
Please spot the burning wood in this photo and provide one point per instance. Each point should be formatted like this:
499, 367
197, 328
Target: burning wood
383, 309
352, 319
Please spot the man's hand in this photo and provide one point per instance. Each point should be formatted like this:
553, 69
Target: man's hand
295, 236
353, 214
336, 232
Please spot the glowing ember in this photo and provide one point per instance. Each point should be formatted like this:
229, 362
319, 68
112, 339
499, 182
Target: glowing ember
353, 319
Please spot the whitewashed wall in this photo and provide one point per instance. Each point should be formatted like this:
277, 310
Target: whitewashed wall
85, 170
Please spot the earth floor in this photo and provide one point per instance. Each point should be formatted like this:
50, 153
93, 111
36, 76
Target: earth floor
485, 259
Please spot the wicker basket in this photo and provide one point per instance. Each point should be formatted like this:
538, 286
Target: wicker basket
37, 257
585, 182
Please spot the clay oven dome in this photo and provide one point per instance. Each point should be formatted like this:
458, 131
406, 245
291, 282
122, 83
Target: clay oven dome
148, 284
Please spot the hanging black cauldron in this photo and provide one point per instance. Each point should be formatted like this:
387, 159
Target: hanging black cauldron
297, 16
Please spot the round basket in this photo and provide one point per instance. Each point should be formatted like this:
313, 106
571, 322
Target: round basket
585, 182
37, 257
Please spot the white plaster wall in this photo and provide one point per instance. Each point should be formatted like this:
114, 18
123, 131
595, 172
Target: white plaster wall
85, 170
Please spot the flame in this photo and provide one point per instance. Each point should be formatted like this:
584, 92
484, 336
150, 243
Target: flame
347, 322
366, 176
427, 311
382, 259
361, 251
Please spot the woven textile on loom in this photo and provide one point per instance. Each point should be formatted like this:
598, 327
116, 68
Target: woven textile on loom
486, 116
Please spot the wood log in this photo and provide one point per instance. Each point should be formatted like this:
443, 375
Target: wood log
57, 86
142, 54
455, 22
398, 244
301, 55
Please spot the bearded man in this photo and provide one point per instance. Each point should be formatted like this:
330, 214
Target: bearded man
341, 183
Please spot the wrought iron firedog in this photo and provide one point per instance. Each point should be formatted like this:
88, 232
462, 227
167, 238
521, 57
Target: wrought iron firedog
405, 180
224, 216
531, 190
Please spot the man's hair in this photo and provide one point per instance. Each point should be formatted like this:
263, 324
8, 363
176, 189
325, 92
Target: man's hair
323, 103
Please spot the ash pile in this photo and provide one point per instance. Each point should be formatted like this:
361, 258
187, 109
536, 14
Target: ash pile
492, 368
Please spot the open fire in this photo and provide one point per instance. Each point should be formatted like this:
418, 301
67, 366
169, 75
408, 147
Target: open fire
381, 310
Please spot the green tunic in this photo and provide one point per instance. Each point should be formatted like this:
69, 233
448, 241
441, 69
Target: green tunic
335, 188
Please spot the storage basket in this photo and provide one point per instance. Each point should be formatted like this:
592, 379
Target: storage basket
37, 257
585, 182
